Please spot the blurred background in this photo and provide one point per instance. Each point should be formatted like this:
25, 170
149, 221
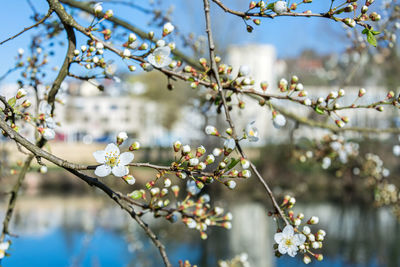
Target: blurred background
62, 222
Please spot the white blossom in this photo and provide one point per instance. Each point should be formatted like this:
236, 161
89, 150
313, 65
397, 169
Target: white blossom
193, 161
48, 134
160, 57
326, 163
252, 132
217, 152
168, 28
160, 43
280, 7
44, 108
3, 247
244, 70
127, 53
288, 242
112, 161
192, 188
279, 121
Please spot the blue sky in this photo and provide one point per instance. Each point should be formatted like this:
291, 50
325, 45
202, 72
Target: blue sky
289, 35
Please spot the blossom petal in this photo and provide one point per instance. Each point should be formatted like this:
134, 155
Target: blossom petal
299, 239
163, 51
4, 245
112, 149
120, 170
100, 156
102, 170
282, 248
2, 254
126, 158
288, 231
292, 251
278, 237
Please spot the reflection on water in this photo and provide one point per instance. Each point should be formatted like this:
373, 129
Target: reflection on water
93, 232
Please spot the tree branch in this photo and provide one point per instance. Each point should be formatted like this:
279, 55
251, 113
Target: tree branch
287, 14
38, 152
227, 114
89, 9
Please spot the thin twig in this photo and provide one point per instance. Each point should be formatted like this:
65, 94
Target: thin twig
287, 14
30, 27
227, 114
114, 19
13, 198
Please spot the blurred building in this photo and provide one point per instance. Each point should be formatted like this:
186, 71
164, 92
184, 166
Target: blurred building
90, 115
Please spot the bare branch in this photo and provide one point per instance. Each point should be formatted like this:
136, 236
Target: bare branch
30, 27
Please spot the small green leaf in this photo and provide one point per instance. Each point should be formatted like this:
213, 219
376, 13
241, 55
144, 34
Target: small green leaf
270, 6
371, 39
233, 163
12, 101
319, 111
365, 31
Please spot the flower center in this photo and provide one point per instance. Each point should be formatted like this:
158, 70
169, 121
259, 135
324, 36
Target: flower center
112, 159
159, 59
251, 133
288, 242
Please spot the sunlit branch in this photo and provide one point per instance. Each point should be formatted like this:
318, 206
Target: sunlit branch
243, 15
89, 9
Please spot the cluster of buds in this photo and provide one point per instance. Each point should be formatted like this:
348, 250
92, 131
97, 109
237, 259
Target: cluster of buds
91, 56
192, 164
200, 215
46, 122
297, 235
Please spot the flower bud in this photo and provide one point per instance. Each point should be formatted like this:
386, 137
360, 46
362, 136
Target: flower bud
129, 179
313, 220
186, 149
175, 190
21, 93
361, 92
211, 130
230, 184
109, 14
168, 28
177, 146
210, 159
181, 175
306, 259
98, 8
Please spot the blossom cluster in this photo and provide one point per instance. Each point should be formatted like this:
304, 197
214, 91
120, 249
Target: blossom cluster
347, 12
297, 235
